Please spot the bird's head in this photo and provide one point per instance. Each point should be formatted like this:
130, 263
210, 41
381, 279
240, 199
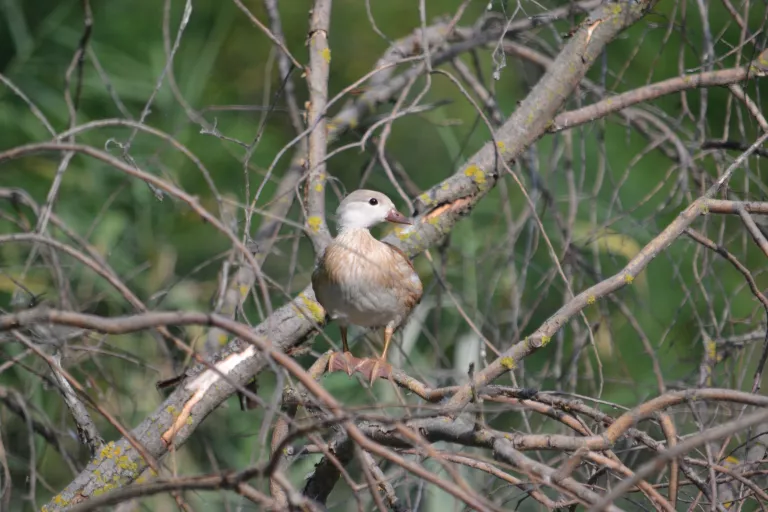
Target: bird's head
366, 208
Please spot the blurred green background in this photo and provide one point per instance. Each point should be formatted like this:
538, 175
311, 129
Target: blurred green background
619, 188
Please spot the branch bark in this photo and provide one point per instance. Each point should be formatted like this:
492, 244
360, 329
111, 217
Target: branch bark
317, 80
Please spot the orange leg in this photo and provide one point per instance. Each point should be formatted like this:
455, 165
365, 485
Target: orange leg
375, 368
343, 329
388, 332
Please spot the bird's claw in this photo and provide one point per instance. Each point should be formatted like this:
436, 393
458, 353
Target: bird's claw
371, 369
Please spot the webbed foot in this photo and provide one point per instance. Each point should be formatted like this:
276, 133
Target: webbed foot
370, 368
373, 369
343, 361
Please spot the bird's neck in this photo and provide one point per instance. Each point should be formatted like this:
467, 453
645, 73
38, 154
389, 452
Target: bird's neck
353, 232
357, 244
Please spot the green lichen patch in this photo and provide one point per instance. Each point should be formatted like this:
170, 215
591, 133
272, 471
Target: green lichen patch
314, 308
314, 223
477, 174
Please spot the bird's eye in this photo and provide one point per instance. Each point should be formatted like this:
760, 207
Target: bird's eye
373, 201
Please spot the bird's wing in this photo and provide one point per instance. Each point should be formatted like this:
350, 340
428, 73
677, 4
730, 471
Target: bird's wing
321, 278
413, 290
330, 268
401, 253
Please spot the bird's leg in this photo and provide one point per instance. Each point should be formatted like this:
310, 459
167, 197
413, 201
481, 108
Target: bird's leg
375, 368
343, 329
347, 362
388, 332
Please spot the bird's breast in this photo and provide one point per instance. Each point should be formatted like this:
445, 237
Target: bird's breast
366, 282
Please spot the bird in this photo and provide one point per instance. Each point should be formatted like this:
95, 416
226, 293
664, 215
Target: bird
362, 281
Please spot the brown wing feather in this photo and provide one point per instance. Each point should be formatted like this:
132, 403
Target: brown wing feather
334, 262
413, 297
326, 273
401, 253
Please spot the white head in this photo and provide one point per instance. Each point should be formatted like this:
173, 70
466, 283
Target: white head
366, 208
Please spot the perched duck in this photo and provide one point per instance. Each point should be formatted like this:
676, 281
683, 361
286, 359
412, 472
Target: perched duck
362, 281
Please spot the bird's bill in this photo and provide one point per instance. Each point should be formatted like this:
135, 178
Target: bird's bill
397, 217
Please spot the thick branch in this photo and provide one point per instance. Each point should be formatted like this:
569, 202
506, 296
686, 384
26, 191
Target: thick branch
317, 80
